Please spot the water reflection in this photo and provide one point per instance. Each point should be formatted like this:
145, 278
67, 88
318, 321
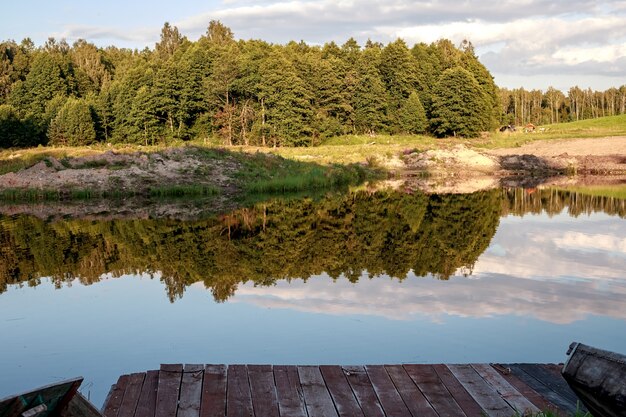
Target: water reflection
498, 276
384, 233
533, 269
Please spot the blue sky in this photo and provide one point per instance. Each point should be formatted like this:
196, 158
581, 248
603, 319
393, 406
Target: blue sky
530, 43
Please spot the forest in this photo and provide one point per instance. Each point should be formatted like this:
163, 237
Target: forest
251, 92
238, 92
520, 106
382, 233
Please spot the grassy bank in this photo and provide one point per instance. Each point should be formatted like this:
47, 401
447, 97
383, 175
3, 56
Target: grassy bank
267, 174
338, 161
174, 191
591, 128
189, 171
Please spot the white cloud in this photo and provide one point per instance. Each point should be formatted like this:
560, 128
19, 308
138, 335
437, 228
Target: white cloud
515, 38
490, 295
554, 271
135, 37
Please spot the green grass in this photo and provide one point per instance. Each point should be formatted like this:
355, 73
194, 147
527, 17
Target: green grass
183, 191
30, 195
590, 128
269, 174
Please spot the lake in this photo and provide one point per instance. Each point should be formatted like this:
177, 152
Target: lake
507, 275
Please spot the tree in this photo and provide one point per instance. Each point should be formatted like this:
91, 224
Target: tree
370, 97
17, 132
219, 34
398, 71
171, 40
44, 81
459, 106
73, 125
92, 69
411, 115
219, 86
286, 101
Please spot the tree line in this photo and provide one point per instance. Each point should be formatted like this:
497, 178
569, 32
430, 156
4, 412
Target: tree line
520, 106
244, 92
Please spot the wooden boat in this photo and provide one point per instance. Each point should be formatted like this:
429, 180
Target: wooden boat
598, 377
61, 399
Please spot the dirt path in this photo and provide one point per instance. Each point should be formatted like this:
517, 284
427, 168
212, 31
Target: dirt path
579, 147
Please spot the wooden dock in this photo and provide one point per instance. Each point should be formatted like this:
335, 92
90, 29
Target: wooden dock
474, 390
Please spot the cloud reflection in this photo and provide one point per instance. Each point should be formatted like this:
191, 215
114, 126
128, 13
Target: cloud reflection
551, 271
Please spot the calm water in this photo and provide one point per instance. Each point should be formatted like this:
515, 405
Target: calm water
498, 276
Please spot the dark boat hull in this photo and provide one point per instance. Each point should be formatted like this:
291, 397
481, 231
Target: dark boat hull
598, 377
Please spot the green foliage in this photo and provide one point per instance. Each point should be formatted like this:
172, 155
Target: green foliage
287, 101
314, 178
459, 107
15, 131
73, 125
370, 99
382, 233
270, 174
411, 115
232, 92
183, 191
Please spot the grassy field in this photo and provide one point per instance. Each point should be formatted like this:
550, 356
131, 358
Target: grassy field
375, 150
360, 148
592, 128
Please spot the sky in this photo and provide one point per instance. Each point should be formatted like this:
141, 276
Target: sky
524, 43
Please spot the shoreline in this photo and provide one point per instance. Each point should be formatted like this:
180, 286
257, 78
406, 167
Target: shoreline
200, 172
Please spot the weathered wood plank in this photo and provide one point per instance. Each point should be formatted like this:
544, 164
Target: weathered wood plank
168, 390
532, 395
131, 395
341, 392
79, 406
263, 390
550, 379
238, 397
543, 389
483, 393
190, 391
506, 390
213, 403
363, 391
116, 396
389, 398
415, 401
146, 406
289, 392
467, 403
316, 396
427, 380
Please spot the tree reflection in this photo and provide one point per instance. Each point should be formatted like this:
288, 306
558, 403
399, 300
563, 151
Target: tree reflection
382, 233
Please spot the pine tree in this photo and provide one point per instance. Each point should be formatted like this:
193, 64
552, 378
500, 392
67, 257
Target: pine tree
398, 72
411, 115
286, 100
459, 106
370, 97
